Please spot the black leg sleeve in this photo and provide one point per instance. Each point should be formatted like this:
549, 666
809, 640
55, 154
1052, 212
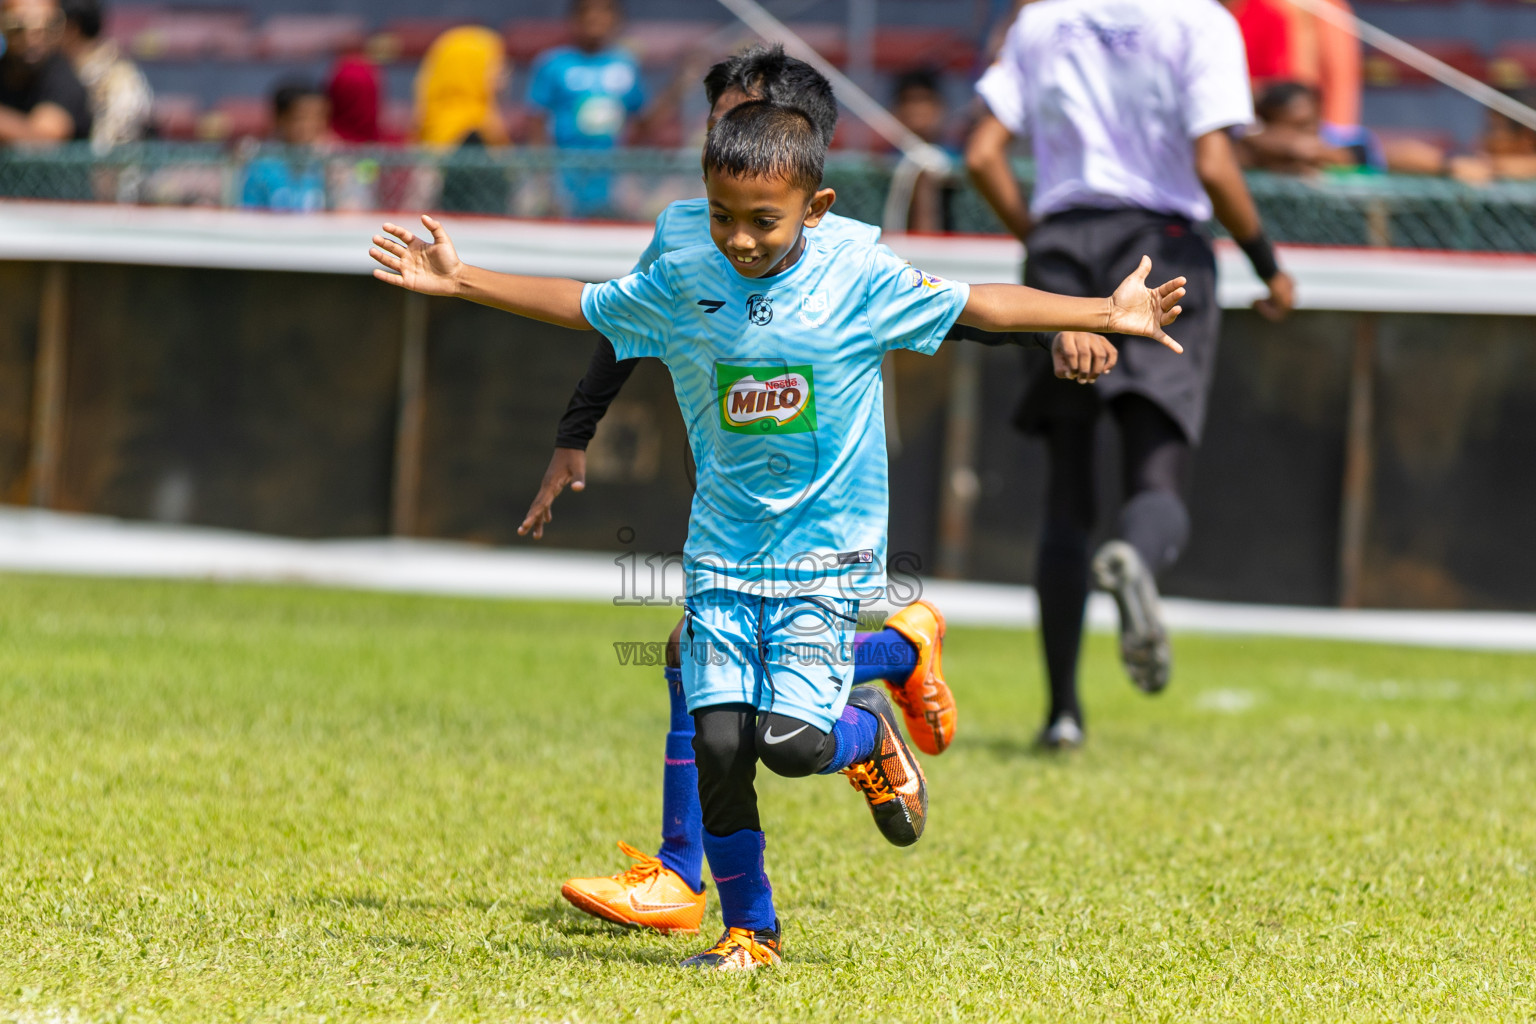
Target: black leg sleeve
792, 748
725, 753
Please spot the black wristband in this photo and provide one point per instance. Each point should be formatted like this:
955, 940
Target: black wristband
1261, 254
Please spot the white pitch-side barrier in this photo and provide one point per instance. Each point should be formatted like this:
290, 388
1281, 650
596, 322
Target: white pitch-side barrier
49, 542
1362, 280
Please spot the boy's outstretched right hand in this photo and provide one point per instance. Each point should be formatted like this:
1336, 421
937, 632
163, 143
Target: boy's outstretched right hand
430, 267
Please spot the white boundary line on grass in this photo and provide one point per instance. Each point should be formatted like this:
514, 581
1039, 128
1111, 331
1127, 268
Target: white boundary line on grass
48, 542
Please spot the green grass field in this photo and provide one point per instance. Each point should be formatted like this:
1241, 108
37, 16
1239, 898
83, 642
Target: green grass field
245, 803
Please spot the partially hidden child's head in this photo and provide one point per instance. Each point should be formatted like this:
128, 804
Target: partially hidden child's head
768, 73
1506, 137
762, 171
300, 113
1290, 106
595, 23
920, 103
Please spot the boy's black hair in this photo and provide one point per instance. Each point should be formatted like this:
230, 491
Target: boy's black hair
926, 79
85, 15
574, 6
1277, 97
289, 91
768, 73
764, 140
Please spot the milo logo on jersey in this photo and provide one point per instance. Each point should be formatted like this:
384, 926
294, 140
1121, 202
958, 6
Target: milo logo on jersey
766, 399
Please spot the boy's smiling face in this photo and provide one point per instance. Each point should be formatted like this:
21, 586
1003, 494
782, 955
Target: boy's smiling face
756, 222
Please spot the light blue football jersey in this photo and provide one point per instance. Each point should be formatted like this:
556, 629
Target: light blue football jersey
778, 380
686, 222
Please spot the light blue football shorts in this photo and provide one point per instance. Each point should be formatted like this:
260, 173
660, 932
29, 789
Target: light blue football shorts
788, 655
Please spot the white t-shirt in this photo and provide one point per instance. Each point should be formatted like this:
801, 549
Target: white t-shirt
1112, 93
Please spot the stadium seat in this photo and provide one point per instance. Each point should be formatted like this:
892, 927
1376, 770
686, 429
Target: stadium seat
123, 24
241, 117
667, 43
902, 49
1513, 65
1387, 72
526, 38
307, 36
517, 121
193, 35
396, 119
407, 39
1443, 141
175, 116
826, 38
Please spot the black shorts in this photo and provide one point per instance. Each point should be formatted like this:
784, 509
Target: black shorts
1088, 253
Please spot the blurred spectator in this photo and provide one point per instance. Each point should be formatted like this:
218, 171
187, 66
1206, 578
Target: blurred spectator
583, 95
920, 104
458, 93
120, 97
354, 89
1294, 139
1266, 37
1338, 74
41, 98
1507, 149
457, 89
920, 107
293, 180
1287, 44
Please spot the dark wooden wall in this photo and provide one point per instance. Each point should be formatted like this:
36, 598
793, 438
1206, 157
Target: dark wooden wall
268, 402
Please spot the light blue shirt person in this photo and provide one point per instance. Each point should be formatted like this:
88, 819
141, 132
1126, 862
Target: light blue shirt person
287, 185
778, 380
586, 98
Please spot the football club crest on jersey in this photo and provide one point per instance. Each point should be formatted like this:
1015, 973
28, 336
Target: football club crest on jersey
918, 279
766, 399
760, 310
814, 309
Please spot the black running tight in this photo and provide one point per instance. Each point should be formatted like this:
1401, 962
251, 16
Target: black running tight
1155, 459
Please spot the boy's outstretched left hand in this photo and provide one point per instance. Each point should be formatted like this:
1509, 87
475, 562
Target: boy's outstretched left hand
431, 267
1137, 309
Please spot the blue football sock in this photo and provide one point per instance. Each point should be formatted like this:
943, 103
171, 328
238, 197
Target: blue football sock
856, 732
883, 655
736, 862
682, 822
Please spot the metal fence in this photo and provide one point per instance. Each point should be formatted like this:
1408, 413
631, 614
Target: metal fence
1352, 209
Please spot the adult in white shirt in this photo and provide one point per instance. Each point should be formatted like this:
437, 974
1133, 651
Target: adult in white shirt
1127, 105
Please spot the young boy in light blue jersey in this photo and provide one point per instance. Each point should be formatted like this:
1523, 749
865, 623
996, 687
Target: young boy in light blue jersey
774, 344
665, 892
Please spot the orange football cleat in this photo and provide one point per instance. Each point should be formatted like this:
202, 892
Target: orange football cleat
648, 895
924, 698
891, 780
740, 949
